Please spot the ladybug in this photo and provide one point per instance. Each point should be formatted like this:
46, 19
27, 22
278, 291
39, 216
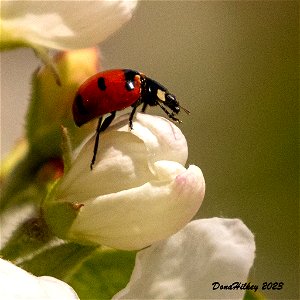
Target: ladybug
113, 90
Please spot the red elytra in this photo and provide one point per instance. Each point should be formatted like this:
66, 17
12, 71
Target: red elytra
104, 93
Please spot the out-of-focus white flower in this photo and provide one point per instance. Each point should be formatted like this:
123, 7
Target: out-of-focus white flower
16, 283
186, 265
62, 24
139, 191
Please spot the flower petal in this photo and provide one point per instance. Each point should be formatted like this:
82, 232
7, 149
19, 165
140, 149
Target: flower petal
185, 265
121, 164
169, 143
16, 283
135, 218
64, 24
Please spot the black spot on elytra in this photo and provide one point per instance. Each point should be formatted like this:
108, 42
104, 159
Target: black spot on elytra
79, 104
129, 79
101, 84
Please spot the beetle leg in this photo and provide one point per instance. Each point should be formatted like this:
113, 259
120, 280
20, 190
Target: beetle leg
98, 130
144, 107
170, 115
107, 121
101, 127
131, 117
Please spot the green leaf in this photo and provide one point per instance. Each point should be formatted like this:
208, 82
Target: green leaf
103, 274
59, 261
93, 272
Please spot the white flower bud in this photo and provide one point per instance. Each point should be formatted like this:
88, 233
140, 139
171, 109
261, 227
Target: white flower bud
139, 191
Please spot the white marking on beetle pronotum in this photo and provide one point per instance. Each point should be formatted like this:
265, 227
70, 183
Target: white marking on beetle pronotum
161, 95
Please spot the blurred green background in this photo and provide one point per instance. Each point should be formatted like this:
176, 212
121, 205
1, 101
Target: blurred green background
235, 65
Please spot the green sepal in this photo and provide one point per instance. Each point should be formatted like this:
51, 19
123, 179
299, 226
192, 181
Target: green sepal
60, 216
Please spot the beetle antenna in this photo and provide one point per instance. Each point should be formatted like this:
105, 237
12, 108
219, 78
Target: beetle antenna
185, 110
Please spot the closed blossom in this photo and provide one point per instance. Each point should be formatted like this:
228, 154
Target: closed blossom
139, 190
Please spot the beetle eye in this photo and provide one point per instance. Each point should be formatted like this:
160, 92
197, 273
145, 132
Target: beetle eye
176, 109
